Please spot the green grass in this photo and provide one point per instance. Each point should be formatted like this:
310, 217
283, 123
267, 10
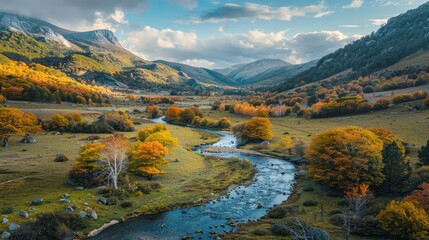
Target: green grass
29, 171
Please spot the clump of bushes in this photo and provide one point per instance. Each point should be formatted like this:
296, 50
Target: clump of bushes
51, 225
126, 204
61, 158
149, 187
310, 203
7, 210
401, 98
382, 103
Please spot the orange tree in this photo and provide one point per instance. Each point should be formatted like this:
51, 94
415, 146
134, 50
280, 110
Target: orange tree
258, 128
345, 157
147, 158
172, 113
420, 195
15, 122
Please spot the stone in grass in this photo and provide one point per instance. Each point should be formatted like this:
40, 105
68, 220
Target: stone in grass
93, 215
102, 200
82, 214
79, 188
5, 235
13, 227
66, 195
5, 220
37, 201
23, 213
69, 208
65, 200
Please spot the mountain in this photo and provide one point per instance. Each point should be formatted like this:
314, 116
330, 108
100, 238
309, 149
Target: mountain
402, 36
241, 73
94, 55
206, 75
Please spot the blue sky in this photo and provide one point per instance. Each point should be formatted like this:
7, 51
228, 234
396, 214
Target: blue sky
220, 33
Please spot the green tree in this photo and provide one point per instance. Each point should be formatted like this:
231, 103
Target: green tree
424, 154
397, 166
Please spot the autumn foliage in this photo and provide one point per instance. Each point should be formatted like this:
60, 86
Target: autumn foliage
420, 196
172, 113
344, 157
15, 122
147, 158
258, 128
143, 133
152, 111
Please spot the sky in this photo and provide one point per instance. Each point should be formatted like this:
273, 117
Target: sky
221, 33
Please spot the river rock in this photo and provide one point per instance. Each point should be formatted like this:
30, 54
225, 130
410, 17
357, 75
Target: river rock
37, 201
5, 235
23, 213
82, 214
102, 200
69, 208
93, 215
5, 220
13, 227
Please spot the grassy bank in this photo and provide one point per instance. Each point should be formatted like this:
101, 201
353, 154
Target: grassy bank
28, 171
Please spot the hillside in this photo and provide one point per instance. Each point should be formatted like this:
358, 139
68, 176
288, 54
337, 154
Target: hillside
93, 55
402, 36
203, 74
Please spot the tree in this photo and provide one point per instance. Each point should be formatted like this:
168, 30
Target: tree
120, 121
397, 166
358, 197
86, 170
2, 99
152, 111
258, 128
113, 157
147, 158
165, 138
404, 220
15, 122
187, 115
56, 122
172, 113
143, 133
424, 154
345, 157
285, 144
221, 107
420, 196
427, 102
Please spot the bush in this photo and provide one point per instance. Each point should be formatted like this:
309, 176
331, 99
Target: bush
7, 210
310, 203
260, 232
401, 98
382, 103
50, 225
281, 211
126, 204
367, 226
308, 188
114, 193
317, 234
427, 102
282, 228
337, 219
61, 158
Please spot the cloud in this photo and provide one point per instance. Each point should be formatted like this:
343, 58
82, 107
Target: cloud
349, 26
378, 21
252, 11
198, 63
75, 14
221, 28
186, 47
355, 4
322, 14
189, 4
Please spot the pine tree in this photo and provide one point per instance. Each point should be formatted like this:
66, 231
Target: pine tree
396, 166
424, 154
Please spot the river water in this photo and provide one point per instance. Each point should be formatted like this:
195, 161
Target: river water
272, 185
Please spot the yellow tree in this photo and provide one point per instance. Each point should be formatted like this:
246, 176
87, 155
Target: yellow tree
165, 138
143, 133
86, 170
147, 158
15, 122
285, 144
345, 157
258, 128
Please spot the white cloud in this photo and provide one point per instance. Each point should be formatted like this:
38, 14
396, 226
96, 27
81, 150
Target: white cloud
355, 4
379, 21
349, 26
198, 63
186, 47
253, 11
104, 21
221, 28
190, 4
322, 14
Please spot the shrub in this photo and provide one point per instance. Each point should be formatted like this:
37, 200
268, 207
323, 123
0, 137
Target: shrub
382, 103
7, 210
404, 220
126, 204
50, 225
310, 203
317, 234
427, 102
420, 95
2, 99
260, 232
114, 193
308, 188
367, 226
281, 211
401, 98
282, 228
337, 219
61, 158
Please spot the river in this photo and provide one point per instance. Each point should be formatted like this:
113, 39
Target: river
272, 185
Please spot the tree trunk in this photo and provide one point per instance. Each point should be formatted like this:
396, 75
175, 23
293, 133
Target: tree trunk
115, 182
5, 143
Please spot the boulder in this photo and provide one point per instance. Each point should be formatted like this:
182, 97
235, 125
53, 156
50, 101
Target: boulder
93, 215
265, 143
13, 227
66, 195
23, 213
5, 235
82, 214
28, 139
5, 220
37, 201
79, 188
85, 204
102, 200
69, 208
65, 200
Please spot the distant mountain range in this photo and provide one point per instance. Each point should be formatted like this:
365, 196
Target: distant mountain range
395, 43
